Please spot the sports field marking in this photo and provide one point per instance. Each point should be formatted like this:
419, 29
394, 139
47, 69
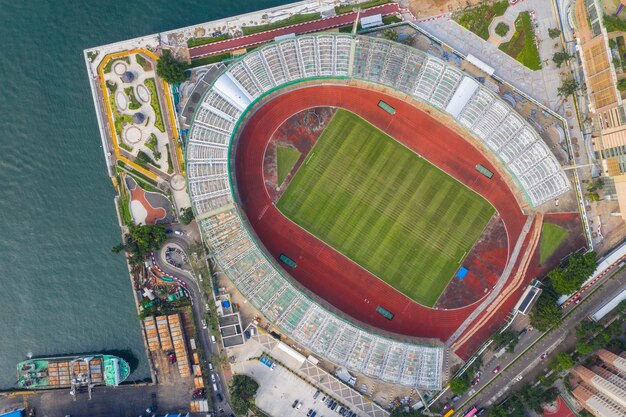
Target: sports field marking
385, 208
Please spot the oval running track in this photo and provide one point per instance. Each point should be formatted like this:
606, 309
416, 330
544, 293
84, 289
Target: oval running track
325, 271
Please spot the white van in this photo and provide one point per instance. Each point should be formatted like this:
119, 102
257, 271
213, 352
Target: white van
215, 387
213, 339
210, 366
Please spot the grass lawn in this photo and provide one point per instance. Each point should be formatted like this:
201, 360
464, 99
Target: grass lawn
109, 65
154, 102
384, 207
286, 158
478, 19
211, 59
295, 19
522, 46
347, 8
191, 42
133, 104
552, 236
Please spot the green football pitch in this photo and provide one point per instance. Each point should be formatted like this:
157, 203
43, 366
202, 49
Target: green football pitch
381, 205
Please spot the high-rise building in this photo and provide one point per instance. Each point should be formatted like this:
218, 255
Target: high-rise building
602, 385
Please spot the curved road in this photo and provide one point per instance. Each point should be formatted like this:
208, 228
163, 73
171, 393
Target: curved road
199, 311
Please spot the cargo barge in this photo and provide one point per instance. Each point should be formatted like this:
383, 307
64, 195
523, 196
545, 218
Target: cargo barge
72, 372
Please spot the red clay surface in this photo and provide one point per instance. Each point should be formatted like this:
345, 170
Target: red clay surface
561, 409
154, 213
299, 29
328, 273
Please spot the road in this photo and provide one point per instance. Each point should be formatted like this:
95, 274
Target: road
526, 364
199, 307
241, 42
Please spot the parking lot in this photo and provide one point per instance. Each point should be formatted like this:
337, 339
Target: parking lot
279, 389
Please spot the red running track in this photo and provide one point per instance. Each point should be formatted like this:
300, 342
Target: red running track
325, 271
241, 42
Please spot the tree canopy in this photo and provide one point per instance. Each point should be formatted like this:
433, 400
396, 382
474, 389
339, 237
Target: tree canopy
141, 240
546, 314
460, 384
507, 339
569, 279
568, 87
554, 33
562, 362
186, 215
401, 412
171, 69
560, 57
242, 392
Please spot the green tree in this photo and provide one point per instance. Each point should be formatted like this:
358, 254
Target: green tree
186, 215
562, 282
621, 84
554, 33
170, 69
499, 411
593, 197
507, 339
583, 347
546, 314
117, 248
141, 240
530, 396
242, 392
460, 384
401, 412
562, 362
568, 87
560, 57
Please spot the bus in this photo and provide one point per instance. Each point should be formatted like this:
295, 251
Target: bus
484, 171
287, 260
449, 412
471, 412
386, 107
384, 312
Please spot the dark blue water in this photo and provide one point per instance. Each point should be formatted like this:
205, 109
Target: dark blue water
61, 289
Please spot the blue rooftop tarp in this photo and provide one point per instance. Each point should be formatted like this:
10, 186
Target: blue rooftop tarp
17, 413
462, 272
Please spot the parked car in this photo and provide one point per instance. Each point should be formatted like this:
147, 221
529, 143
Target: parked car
496, 370
455, 398
481, 412
543, 355
294, 404
299, 405
220, 398
577, 300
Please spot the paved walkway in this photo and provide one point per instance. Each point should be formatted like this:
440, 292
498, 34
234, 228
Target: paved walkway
540, 85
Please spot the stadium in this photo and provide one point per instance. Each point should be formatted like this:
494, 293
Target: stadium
420, 178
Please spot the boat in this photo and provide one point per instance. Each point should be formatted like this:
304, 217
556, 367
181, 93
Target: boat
72, 372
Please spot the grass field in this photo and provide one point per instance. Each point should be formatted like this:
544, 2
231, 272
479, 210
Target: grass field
478, 19
552, 236
522, 46
384, 207
286, 158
